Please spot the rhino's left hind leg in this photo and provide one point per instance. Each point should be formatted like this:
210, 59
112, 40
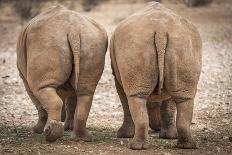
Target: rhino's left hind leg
52, 103
139, 115
42, 114
127, 129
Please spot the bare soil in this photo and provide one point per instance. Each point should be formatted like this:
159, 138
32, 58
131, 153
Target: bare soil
212, 122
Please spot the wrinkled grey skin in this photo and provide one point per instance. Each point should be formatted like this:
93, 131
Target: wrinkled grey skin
60, 57
156, 56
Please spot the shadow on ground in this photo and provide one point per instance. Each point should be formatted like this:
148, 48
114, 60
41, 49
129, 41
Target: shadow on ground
21, 140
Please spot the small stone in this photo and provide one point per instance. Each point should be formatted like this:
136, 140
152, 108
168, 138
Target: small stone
225, 121
225, 137
218, 149
6, 76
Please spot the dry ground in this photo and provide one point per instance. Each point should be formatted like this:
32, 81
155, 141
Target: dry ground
212, 123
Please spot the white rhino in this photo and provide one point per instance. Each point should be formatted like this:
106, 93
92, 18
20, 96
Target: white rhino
156, 56
60, 57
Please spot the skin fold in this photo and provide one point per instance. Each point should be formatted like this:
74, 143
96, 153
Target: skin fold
156, 60
60, 58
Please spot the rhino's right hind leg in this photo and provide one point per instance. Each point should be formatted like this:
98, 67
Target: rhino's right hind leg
128, 128
183, 121
52, 103
167, 113
70, 106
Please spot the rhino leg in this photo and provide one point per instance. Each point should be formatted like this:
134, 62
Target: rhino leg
139, 115
63, 111
84, 102
127, 129
70, 106
153, 109
183, 121
139, 80
168, 128
42, 114
53, 105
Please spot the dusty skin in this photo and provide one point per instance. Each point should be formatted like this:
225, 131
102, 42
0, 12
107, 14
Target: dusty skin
60, 57
155, 51
211, 126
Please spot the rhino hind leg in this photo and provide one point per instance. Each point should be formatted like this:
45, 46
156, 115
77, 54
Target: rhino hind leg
70, 106
84, 102
63, 111
52, 103
168, 127
39, 127
183, 122
127, 129
139, 115
42, 114
139, 82
153, 109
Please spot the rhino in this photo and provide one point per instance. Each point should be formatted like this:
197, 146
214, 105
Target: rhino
156, 56
60, 58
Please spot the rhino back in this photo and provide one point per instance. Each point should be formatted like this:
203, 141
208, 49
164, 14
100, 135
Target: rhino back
135, 35
39, 27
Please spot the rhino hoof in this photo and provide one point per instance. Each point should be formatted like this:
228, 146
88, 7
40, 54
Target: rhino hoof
168, 133
38, 128
53, 130
84, 136
126, 132
138, 145
186, 144
68, 125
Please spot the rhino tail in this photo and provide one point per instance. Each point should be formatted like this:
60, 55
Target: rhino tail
161, 39
75, 44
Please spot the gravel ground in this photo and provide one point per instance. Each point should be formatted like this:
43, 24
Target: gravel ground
212, 122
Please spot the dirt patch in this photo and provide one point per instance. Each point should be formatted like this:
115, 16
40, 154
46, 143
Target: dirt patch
213, 107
